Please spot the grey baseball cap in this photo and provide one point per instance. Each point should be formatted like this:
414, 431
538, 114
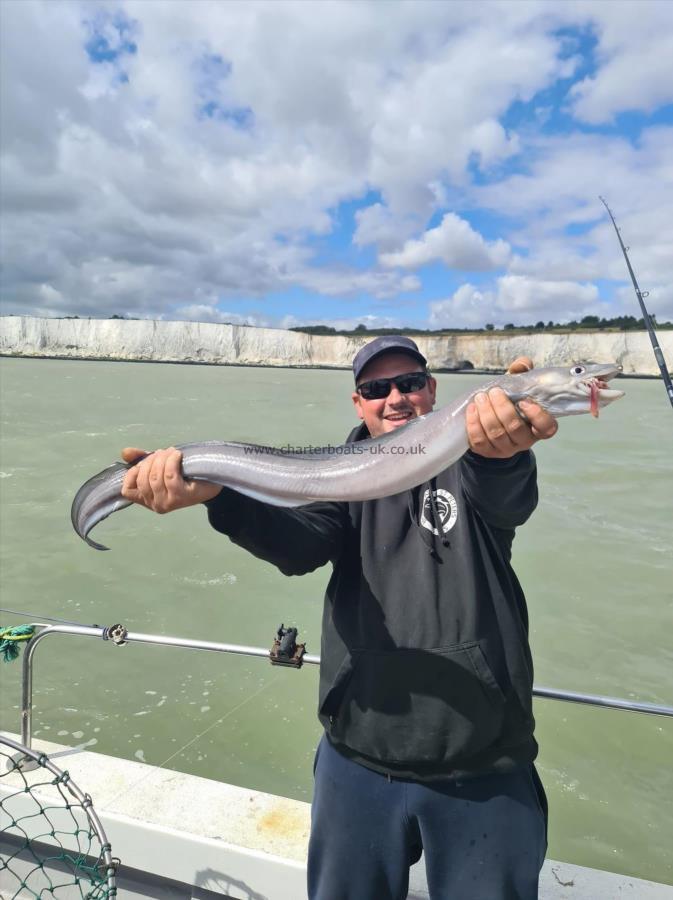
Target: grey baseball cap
389, 343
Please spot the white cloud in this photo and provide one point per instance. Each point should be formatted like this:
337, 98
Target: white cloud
491, 143
377, 224
122, 195
49, 296
467, 308
203, 312
345, 323
114, 159
455, 243
518, 299
561, 299
344, 282
658, 303
635, 60
560, 190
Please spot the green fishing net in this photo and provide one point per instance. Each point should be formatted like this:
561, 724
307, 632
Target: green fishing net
51, 841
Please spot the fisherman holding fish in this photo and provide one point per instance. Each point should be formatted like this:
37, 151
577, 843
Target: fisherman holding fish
426, 675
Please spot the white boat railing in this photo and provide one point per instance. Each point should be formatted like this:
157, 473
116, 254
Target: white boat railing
118, 635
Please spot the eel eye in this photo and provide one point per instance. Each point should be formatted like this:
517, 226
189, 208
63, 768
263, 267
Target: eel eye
578, 370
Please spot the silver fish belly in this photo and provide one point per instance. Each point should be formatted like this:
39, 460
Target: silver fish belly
364, 470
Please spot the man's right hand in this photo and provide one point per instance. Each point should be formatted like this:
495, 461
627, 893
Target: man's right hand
156, 482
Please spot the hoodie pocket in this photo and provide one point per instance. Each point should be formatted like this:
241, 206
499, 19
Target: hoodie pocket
416, 706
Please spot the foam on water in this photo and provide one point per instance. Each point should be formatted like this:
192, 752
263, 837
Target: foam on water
226, 578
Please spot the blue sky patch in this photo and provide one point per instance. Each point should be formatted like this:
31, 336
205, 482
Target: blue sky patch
239, 117
110, 36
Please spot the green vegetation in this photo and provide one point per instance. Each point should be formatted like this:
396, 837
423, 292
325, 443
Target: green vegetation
113, 316
588, 323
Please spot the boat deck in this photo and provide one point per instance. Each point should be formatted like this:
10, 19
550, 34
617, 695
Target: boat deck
181, 836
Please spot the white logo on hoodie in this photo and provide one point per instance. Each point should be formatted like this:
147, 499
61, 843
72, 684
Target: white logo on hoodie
447, 507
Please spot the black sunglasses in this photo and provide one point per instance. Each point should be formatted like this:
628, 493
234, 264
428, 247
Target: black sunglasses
381, 387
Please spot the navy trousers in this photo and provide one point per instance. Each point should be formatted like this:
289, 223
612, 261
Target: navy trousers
484, 838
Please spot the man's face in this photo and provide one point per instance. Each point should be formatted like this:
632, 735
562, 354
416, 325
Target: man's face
383, 416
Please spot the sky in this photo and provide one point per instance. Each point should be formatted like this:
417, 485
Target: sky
392, 164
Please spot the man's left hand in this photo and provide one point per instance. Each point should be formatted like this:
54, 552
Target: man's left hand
495, 429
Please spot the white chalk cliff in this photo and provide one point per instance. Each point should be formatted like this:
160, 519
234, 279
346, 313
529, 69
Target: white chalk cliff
199, 342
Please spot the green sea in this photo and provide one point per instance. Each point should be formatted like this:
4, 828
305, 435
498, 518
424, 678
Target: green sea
595, 561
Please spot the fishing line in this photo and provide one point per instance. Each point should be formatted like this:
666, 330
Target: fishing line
658, 355
130, 787
35, 618
70, 750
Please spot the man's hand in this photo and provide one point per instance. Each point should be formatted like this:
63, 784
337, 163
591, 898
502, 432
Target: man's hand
157, 483
495, 429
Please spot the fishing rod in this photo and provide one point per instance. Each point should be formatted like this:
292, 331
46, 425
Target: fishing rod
659, 356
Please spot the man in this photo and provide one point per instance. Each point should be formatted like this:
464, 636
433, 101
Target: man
426, 674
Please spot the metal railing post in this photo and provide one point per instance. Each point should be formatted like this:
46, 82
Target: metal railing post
27, 671
27, 692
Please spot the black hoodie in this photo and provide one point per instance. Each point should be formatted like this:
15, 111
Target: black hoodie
426, 670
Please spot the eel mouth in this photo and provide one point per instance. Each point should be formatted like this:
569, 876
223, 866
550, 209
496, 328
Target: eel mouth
600, 393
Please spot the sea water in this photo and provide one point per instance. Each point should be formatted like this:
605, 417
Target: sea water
594, 561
